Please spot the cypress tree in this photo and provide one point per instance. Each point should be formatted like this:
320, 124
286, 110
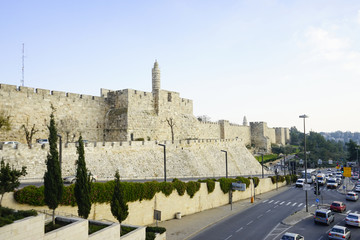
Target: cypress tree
83, 183
53, 184
119, 208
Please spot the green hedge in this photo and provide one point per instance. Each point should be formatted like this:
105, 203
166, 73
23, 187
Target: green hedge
8, 215
210, 184
133, 191
267, 158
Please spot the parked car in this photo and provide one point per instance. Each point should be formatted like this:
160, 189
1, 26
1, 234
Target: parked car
331, 183
324, 216
292, 236
339, 232
300, 182
357, 188
338, 206
353, 196
13, 144
338, 180
355, 176
72, 179
42, 141
353, 219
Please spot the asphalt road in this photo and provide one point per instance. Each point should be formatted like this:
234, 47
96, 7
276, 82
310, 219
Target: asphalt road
256, 222
263, 221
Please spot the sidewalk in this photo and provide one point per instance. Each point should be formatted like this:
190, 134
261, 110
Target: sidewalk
190, 225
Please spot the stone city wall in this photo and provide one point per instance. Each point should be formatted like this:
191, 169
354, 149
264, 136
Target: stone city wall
79, 113
119, 116
142, 160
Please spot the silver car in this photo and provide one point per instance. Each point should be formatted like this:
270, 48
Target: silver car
72, 179
339, 232
353, 219
353, 196
292, 236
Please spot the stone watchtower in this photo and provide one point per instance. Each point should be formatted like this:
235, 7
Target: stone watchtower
156, 85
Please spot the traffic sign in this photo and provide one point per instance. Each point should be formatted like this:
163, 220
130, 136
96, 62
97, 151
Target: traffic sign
301, 161
347, 172
238, 186
330, 161
307, 187
319, 161
317, 200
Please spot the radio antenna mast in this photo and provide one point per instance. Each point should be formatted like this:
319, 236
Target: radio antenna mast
23, 57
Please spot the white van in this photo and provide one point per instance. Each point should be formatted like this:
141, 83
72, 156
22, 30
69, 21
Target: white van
321, 178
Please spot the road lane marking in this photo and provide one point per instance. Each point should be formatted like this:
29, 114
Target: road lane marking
260, 216
348, 211
276, 206
294, 204
228, 237
265, 200
300, 205
282, 203
313, 205
320, 238
276, 202
271, 201
239, 229
288, 203
268, 210
356, 212
250, 222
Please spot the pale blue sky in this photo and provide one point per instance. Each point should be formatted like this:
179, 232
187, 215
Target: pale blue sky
267, 60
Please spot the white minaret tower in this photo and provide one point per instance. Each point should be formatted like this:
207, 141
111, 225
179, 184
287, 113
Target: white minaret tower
156, 85
245, 122
155, 77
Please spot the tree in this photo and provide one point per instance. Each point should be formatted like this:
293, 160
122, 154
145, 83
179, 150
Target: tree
119, 208
29, 133
5, 123
9, 178
352, 147
53, 184
83, 183
68, 125
171, 123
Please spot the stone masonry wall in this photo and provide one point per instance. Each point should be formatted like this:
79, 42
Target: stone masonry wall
142, 160
80, 113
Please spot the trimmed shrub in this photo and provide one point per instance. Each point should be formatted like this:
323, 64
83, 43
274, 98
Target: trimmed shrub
243, 180
179, 186
166, 188
210, 184
256, 181
192, 188
225, 184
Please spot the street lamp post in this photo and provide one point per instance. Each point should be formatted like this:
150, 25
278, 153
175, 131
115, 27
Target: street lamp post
262, 164
163, 145
306, 195
60, 150
226, 162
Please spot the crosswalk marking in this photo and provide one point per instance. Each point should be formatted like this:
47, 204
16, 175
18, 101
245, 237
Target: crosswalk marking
271, 201
288, 203
282, 203
276, 202
348, 211
300, 205
294, 204
266, 200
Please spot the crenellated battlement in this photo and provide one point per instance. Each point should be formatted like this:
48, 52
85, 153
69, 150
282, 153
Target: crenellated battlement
45, 93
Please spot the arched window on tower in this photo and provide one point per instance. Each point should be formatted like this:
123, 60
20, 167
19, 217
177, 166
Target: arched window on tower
169, 97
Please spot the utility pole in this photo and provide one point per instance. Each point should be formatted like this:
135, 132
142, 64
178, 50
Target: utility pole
23, 65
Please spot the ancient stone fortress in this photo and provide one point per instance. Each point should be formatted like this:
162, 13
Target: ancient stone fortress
124, 127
